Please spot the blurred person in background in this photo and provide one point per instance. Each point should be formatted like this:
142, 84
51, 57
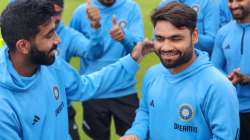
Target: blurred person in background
121, 25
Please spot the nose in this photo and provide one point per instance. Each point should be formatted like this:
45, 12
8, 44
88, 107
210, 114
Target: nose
57, 39
233, 4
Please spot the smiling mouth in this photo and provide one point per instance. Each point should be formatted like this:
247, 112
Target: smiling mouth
169, 54
237, 11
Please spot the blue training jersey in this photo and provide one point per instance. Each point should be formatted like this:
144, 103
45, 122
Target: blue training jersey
128, 16
231, 51
198, 103
35, 107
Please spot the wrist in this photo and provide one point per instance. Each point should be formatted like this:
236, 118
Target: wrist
136, 57
95, 25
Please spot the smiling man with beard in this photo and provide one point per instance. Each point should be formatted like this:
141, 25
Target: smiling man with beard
231, 55
35, 84
184, 97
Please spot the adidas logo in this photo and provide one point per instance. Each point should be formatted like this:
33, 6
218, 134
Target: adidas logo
36, 119
152, 103
227, 47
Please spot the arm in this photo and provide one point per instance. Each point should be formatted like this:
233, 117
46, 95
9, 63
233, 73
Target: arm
84, 47
141, 123
222, 111
9, 128
108, 79
210, 27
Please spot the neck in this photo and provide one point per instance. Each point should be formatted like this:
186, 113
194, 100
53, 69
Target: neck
22, 65
183, 66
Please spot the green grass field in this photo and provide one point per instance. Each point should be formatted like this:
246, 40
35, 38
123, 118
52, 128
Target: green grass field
146, 6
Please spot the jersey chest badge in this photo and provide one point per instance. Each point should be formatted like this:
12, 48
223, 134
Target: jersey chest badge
196, 8
123, 23
56, 92
186, 112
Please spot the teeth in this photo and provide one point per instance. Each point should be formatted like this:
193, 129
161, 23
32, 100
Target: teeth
55, 52
169, 53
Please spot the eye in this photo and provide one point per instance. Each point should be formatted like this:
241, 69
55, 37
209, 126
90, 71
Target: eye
176, 39
50, 35
159, 38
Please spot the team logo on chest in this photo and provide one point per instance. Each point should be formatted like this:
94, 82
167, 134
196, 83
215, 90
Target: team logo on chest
123, 23
186, 112
56, 92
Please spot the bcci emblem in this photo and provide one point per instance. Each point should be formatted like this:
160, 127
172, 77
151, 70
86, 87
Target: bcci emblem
196, 8
56, 92
123, 24
186, 112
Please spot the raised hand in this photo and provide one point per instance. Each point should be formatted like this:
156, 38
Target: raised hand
237, 77
116, 31
233, 77
142, 49
93, 14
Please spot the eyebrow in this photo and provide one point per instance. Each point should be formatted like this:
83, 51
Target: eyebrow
173, 36
51, 31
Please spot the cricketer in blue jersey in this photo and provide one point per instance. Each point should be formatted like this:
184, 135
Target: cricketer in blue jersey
231, 55
35, 84
121, 27
184, 97
207, 23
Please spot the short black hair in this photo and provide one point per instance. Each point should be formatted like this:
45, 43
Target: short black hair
178, 14
21, 20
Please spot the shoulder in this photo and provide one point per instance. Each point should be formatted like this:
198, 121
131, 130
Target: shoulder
218, 83
69, 32
227, 28
131, 4
80, 10
154, 72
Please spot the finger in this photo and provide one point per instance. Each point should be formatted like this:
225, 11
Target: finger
115, 29
117, 36
94, 15
238, 74
235, 80
117, 33
114, 22
237, 69
230, 75
88, 3
120, 37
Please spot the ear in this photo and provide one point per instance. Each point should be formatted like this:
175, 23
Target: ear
23, 46
195, 36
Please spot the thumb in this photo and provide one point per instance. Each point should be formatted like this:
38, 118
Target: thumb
114, 22
88, 3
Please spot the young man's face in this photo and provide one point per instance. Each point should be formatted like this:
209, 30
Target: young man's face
240, 9
107, 3
44, 45
173, 46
